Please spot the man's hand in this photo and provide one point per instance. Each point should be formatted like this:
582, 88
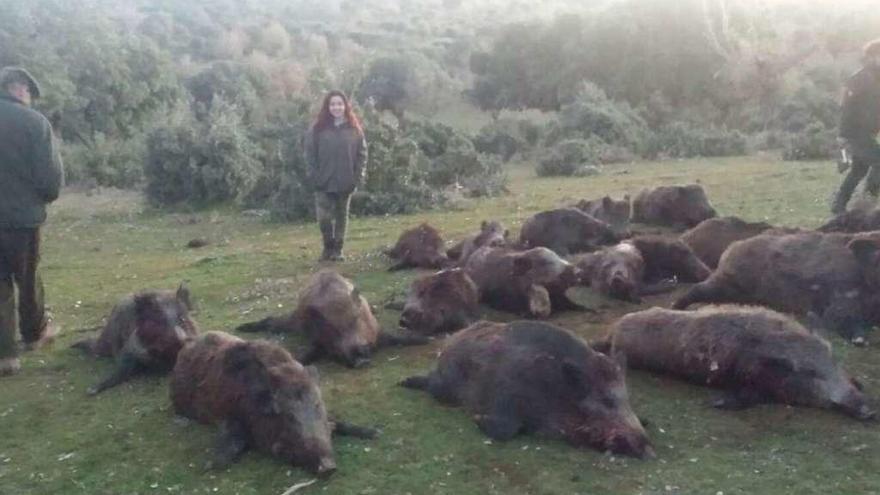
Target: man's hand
844, 159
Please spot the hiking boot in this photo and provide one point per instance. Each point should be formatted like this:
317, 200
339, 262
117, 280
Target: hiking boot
336, 254
49, 333
9, 366
327, 252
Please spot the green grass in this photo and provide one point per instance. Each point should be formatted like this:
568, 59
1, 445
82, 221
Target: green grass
54, 439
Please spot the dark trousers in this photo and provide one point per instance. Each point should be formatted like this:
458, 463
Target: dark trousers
19, 255
332, 212
865, 161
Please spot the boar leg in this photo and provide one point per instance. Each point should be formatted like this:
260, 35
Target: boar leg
400, 265
739, 399
417, 382
434, 385
540, 305
501, 423
388, 339
561, 302
87, 346
710, 291
231, 444
312, 354
126, 367
342, 428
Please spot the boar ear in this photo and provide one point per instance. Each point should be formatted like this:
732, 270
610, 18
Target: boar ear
863, 249
506, 233
484, 225
356, 295
619, 357
626, 197
313, 372
184, 296
521, 265
606, 202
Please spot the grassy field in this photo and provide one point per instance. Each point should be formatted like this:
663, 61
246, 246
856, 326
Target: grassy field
54, 439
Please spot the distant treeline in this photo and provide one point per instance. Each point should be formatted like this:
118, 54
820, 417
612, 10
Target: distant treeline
206, 101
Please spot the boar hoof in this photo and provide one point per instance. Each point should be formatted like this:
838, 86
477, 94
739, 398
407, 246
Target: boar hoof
859, 341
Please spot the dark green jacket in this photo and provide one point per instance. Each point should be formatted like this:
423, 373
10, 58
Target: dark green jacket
860, 108
31, 172
336, 159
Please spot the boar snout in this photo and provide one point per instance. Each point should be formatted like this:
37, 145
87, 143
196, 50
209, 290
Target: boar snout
326, 467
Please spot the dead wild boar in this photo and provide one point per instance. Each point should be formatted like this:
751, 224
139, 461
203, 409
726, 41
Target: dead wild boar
419, 247
565, 231
669, 258
531, 282
491, 233
681, 207
614, 212
711, 237
834, 277
756, 355
534, 377
336, 320
852, 221
261, 397
615, 271
444, 302
144, 331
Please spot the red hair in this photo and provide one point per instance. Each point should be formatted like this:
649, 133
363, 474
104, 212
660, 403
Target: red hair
325, 120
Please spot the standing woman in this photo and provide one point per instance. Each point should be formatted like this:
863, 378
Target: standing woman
336, 153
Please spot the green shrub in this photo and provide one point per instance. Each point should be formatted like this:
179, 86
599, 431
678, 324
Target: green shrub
816, 142
195, 162
505, 137
592, 114
571, 157
106, 162
686, 140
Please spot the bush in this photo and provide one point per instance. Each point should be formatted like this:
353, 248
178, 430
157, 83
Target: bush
505, 137
816, 142
572, 157
107, 162
686, 140
202, 162
592, 114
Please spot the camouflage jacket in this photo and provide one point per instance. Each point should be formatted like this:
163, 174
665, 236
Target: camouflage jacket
31, 172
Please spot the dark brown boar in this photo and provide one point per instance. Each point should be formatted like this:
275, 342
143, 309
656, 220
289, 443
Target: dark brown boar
832, 276
336, 320
532, 282
755, 354
144, 331
853, 221
669, 258
491, 233
681, 207
615, 271
534, 377
419, 247
440, 303
615, 213
711, 237
565, 231
260, 396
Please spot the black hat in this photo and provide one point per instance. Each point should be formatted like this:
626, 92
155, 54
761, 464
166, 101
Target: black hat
9, 75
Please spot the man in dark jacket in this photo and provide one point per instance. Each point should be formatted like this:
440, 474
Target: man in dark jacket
859, 125
30, 177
